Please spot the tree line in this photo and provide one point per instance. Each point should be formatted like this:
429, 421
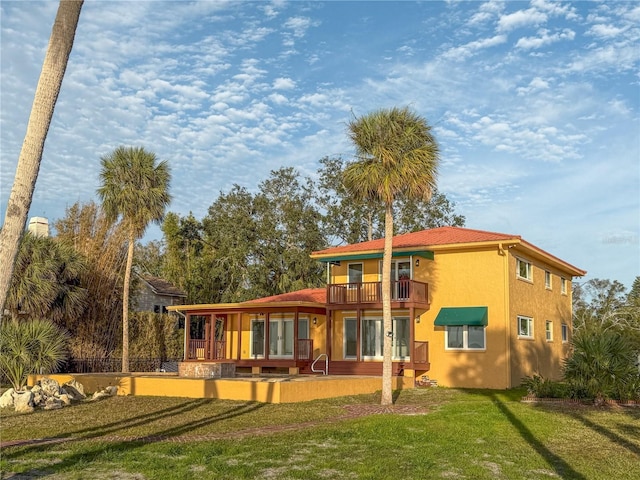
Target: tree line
248, 245
251, 245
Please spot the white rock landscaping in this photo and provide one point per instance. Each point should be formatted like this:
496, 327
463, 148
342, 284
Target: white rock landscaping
48, 394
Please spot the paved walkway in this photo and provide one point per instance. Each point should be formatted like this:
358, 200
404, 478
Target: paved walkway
352, 411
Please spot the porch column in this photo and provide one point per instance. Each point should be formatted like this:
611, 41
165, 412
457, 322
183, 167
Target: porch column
358, 346
267, 340
412, 336
187, 335
207, 337
295, 334
328, 334
239, 324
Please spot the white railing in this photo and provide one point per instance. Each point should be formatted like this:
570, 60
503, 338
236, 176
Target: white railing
326, 364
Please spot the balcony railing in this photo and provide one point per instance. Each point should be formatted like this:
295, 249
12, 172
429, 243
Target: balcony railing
199, 350
371, 292
420, 352
305, 349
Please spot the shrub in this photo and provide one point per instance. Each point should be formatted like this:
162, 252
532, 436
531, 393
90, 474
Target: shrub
541, 387
28, 347
603, 365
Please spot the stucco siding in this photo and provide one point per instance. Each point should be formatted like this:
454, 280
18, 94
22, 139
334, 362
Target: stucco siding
542, 304
459, 279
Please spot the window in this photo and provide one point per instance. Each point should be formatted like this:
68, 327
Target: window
464, 337
565, 333
400, 274
563, 285
355, 272
523, 270
257, 338
350, 338
547, 280
548, 329
371, 338
525, 327
400, 339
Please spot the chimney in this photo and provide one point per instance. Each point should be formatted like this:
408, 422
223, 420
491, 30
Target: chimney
39, 226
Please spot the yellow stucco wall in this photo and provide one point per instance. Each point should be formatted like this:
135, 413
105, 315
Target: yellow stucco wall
268, 390
466, 278
482, 275
533, 299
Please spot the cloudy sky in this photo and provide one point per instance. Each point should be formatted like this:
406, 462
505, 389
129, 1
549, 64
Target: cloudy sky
535, 104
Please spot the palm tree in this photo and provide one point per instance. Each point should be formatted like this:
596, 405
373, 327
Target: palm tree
396, 154
53, 69
46, 281
28, 347
135, 189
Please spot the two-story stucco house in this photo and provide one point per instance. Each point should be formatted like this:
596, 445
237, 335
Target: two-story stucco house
470, 308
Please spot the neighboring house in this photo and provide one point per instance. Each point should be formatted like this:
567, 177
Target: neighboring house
155, 295
470, 309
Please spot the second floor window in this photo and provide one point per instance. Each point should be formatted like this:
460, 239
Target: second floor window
547, 280
355, 273
524, 270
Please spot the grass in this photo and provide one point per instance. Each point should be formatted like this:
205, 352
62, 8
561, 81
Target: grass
463, 434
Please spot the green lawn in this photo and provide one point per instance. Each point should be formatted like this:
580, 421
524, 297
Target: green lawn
449, 434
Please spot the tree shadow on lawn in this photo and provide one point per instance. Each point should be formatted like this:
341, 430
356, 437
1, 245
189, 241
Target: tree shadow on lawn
633, 431
108, 432
562, 468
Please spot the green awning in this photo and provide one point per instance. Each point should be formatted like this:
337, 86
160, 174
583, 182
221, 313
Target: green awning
477, 316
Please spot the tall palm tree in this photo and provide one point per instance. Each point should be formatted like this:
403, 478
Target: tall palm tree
53, 69
396, 154
135, 189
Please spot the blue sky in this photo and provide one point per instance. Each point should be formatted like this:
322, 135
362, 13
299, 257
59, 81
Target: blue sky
535, 104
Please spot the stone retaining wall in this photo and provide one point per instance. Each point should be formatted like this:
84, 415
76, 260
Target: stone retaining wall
207, 370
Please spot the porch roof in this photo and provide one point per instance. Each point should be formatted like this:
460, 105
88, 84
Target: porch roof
308, 297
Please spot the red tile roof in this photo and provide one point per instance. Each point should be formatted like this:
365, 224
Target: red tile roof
312, 295
441, 236
424, 238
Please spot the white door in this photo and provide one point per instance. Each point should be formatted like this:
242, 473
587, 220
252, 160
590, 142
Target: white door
372, 339
281, 338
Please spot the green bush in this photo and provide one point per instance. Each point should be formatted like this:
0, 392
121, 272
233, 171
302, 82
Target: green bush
603, 365
30, 346
541, 387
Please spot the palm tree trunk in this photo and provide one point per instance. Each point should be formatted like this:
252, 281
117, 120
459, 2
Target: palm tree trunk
53, 69
387, 390
125, 304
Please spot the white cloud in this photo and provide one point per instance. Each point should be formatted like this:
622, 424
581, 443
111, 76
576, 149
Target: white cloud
465, 51
283, 84
298, 25
606, 31
527, 121
544, 39
521, 18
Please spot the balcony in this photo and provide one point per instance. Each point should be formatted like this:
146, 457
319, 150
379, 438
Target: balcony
368, 293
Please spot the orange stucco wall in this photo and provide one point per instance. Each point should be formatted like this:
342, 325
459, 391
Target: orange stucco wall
467, 278
533, 299
481, 276
260, 389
